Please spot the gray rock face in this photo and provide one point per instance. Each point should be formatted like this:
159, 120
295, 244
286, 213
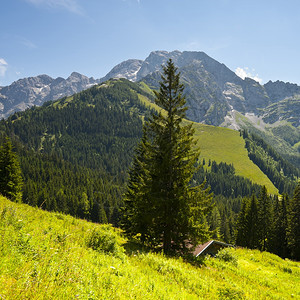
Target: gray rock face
154, 61
127, 69
31, 91
280, 90
287, 109
255, 95
213, 92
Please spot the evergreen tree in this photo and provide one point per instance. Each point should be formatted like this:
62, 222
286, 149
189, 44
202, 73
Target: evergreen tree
215, 223
264, 219
138, 212
293, 231
252, 223
242, 226
160, 203
11, 181
279, 243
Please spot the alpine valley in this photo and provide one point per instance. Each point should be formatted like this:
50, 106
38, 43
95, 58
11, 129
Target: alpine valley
76, 137
215, 96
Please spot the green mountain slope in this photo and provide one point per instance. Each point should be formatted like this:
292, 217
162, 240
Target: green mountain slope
224, 145
99, 128
282, 135
53, 256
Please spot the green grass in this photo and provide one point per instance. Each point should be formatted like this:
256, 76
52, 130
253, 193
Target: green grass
224, 145
52, 256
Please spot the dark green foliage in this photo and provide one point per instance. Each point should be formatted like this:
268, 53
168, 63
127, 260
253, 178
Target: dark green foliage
252, 224
247, 224
279, 239
282, 173
264, 219
75, 152
293, 229
11, 181
270, 224
80, 149
97, 128
223, 181
56, 185
161, 202
242, 229
224, 216
138, 211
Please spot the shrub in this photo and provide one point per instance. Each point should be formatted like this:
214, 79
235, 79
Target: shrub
231, 293
227, 255
105, 240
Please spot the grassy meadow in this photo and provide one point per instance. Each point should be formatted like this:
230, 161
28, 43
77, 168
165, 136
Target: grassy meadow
53, 256
224, 145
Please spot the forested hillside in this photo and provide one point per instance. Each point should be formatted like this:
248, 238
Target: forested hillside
282, 173
75, 153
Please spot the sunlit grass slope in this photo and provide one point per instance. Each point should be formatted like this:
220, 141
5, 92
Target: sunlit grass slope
52, 256
225, 145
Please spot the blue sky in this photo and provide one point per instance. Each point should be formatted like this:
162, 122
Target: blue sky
258, 38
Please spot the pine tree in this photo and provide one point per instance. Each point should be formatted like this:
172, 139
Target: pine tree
242, 226
252, 223
161, 204
264, 219
138, 212
293, 232
11, 181
279, 243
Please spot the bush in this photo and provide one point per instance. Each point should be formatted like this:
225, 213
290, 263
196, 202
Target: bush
105, 240
227, 255
231, 293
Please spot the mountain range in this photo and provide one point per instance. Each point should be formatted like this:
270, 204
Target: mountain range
215, 95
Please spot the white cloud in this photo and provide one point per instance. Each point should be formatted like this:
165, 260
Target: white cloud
70, 5
244, 72
3, 67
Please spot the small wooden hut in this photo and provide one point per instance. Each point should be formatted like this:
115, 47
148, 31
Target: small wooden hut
210, 248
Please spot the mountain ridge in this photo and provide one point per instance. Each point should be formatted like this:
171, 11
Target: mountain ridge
215, 95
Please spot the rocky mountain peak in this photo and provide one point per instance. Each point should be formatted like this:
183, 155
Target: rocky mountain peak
155, 60
280, 90
77, 77
127, 69
30, 91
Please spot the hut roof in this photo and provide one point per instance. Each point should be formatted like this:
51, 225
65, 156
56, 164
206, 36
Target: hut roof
204, 247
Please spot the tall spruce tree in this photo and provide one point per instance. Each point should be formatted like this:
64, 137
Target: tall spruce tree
161, 204
11, 181
264, 219
252, 223
242, 232
279, 243
247, 224
293, 230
